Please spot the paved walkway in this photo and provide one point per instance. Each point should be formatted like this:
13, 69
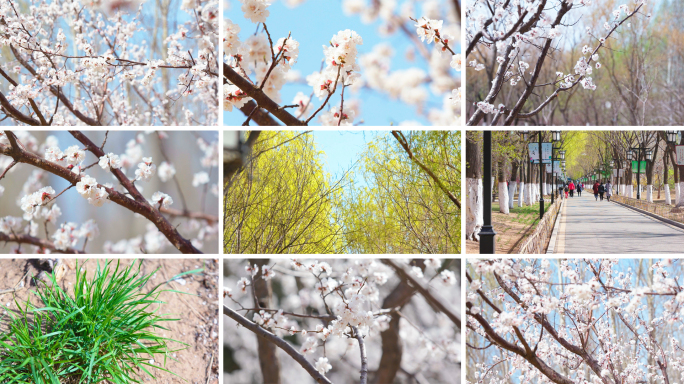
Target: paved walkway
600, 227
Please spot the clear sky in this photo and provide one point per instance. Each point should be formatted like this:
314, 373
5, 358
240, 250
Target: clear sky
342, 148
313, 24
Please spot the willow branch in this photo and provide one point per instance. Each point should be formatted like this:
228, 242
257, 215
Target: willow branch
402, 140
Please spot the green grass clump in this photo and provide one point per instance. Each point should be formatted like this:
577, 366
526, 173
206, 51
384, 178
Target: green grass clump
105, 332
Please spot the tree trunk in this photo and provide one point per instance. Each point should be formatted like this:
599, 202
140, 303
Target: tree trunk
474, 206
503, 188
522, 184
513, 186
666, 177
268, 359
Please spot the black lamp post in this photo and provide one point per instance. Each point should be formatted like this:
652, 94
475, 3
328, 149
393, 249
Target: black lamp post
555, 138
636, 155
487, 234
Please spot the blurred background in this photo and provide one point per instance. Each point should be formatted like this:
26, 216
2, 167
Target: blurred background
189, 152
383, 25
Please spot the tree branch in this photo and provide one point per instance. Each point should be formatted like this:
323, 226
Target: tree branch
258, 116
424, 292
43, 244
137, 205
364, 359
260, 97
402, 140
280, 343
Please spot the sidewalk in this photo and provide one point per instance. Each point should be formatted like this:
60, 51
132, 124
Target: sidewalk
600, 227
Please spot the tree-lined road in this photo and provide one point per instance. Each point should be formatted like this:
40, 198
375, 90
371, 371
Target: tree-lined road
600, 227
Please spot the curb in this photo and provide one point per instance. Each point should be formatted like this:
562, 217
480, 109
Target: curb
554, 233
653, 215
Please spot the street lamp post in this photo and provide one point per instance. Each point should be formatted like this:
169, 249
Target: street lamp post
555, 137
541, 191
636, 155
487, 234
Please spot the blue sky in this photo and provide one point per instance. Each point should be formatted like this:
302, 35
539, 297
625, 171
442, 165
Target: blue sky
342, 148
313, 24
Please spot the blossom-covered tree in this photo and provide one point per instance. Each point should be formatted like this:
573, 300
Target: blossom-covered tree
521, 45
258, 66
587, 321
367, 321
54, 185
101, 63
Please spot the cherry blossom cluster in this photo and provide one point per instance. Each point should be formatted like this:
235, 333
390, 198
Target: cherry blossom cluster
587, 320
74, 63
510, 31
39, 202
346, 298
346, 66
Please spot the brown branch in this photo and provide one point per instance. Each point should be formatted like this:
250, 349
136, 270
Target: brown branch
55, 91
181, 243
402, 140
258, 115
189, 214
260, 97
43, 244
15, 113
424, 292
138, 205
280, 343
12, 164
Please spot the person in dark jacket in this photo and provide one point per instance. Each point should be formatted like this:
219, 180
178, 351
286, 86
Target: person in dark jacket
596, 190
579, 189
601, 190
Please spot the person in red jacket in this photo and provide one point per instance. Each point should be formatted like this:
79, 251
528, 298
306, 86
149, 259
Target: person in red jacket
596, 190
571, 188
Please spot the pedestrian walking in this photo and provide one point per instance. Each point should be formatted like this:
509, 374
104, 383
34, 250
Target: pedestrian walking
596, 190
602, 190
566, 191
560, 191
609, 190
571, 187
579, 189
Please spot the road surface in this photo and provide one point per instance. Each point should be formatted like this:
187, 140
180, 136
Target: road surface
602, 227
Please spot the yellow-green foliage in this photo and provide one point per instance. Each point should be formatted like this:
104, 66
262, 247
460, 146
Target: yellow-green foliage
401, 209
283, 201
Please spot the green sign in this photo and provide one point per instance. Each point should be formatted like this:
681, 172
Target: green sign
642, 166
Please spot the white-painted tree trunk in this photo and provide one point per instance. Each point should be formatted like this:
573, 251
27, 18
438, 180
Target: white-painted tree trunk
676, 194
622, 189
512, 187
668, 199
503, 198
521, 194
474, 209
649, 193
681, 193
